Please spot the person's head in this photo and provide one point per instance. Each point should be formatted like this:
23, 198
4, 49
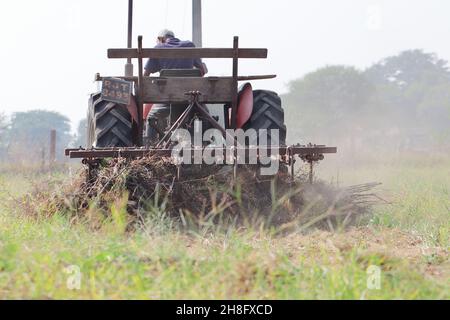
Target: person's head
164, 35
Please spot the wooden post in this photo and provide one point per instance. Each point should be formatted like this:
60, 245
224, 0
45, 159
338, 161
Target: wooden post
52, 147
140, 94
129, 65
234, 102
42, 158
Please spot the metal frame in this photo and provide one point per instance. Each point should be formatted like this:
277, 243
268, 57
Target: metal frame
141, 53
303, 151
310, 154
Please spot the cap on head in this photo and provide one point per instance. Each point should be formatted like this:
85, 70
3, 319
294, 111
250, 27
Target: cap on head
166, 34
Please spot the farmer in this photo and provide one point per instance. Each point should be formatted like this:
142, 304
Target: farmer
166, 39
160, 112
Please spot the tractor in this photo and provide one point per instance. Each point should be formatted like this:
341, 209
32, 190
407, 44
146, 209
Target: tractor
117, 116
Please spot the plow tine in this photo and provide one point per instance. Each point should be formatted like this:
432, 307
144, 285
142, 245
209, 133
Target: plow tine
176, 125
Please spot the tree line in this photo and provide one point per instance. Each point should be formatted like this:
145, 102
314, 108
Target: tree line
26, 135
400, 102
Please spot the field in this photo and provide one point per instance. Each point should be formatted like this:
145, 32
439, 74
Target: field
405, 242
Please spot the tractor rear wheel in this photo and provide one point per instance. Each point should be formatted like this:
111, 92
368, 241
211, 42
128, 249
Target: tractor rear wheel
109, 124
268, 114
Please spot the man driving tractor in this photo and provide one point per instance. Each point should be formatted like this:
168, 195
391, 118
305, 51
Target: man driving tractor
160, 112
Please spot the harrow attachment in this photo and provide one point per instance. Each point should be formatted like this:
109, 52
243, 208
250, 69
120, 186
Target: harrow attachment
287, 155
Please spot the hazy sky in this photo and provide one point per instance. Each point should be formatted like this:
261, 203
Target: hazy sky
50, 49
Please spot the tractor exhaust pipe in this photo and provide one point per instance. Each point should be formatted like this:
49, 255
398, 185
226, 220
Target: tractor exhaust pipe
197, 23
129, 66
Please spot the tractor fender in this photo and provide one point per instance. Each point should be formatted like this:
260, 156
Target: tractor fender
132, 109
245, 105
147, 108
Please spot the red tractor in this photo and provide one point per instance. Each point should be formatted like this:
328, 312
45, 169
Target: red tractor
117, 116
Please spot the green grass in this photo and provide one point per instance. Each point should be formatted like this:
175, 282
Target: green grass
407, 239
416, 189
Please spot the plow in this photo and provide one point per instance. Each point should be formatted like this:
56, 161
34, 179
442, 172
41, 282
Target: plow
248, 129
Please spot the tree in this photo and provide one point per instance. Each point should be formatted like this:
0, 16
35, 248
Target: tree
433, 112
409, 68
324, 104
413, 91
30, 133
3, 135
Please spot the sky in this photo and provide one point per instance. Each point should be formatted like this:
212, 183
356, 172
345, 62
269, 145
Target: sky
51, 49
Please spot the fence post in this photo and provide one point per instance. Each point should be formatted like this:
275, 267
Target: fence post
42, 158
52, 147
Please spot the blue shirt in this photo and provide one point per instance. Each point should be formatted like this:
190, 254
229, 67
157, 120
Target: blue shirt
156, 65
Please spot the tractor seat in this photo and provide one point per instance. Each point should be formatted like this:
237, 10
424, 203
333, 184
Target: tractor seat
172, 73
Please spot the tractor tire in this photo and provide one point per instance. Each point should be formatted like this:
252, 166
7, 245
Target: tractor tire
267, 114
109, 124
